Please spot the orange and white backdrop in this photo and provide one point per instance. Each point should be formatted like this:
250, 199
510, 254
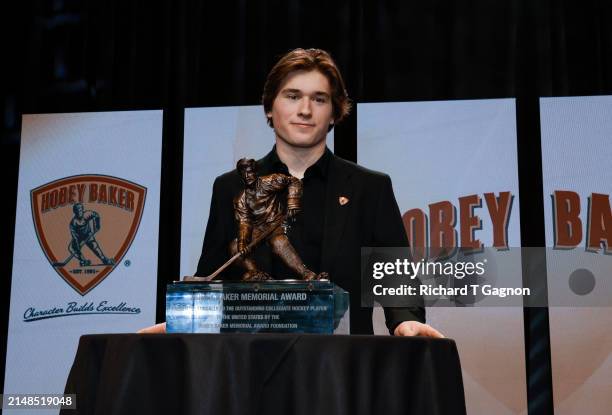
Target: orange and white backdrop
577, 181
86, 232
441, 153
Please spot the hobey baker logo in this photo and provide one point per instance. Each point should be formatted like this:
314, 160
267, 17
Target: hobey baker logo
85, 224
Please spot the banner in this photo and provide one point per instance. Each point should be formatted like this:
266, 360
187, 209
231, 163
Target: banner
577, 183
86, 232
215, 139
460, 157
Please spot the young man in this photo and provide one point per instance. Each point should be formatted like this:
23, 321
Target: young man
344, 206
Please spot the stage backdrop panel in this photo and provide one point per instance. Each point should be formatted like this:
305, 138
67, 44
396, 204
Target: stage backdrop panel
215, 139
440, 151
86, 233
577, 171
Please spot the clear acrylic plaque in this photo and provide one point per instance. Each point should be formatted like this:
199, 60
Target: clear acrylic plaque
286, 306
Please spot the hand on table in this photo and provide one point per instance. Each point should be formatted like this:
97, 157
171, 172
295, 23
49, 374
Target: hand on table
414, 328
158, 328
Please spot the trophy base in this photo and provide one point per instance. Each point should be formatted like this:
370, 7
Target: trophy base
274, 306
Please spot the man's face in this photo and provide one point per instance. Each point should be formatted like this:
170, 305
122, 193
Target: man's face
302, 110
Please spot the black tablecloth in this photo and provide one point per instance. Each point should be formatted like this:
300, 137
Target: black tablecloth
265, 373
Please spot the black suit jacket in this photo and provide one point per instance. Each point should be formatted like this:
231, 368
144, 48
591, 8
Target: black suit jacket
370, 218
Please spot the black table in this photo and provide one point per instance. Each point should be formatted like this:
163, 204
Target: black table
265, 373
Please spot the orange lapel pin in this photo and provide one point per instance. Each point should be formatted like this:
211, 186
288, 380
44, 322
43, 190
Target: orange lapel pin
343, 200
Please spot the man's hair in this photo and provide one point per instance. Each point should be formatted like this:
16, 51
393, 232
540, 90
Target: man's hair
245, 163
307, 60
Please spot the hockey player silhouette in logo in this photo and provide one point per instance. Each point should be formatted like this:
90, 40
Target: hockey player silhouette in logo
83, 228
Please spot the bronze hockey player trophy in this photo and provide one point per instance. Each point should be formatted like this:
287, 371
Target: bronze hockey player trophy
259, 303
263, 211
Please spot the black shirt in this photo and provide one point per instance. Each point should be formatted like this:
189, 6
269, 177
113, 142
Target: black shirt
306, 231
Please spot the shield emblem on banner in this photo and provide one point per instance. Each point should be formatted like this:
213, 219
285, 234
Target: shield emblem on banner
85, 225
